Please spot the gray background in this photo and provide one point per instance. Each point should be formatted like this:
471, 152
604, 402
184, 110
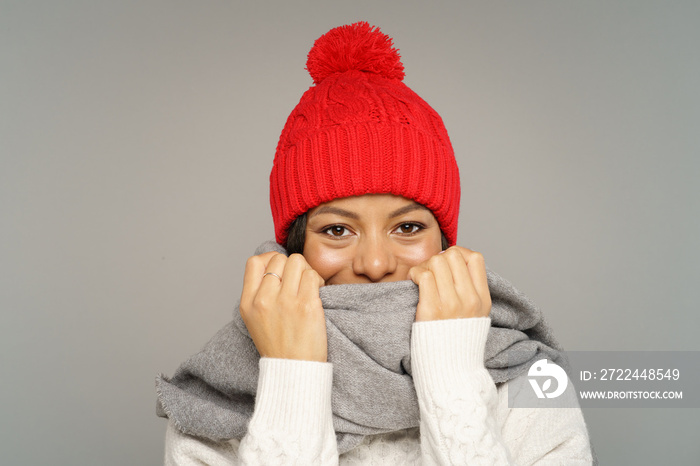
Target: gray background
137, 138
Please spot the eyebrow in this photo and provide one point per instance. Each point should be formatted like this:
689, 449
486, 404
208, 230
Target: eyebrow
335, 210
407, 209
346, 213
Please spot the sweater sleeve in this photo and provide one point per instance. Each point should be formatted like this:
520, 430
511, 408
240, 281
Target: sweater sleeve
456, 395
291, 425
466, 420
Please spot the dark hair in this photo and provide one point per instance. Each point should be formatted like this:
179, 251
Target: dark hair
296, 235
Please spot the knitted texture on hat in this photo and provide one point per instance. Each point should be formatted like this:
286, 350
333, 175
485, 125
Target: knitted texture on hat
360, 130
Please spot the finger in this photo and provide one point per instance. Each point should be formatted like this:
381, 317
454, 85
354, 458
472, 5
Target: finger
309, 286
458, 266
293, 268
270, 283
444, 281
477, 271
477, 268
464, 284
428, 296
254, 270
314, 339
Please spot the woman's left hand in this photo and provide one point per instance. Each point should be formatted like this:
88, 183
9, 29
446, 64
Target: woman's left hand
452, 285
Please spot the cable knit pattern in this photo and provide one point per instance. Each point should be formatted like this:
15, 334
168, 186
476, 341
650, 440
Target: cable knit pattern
465, 418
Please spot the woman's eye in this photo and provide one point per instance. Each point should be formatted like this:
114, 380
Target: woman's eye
337, 231
408, 228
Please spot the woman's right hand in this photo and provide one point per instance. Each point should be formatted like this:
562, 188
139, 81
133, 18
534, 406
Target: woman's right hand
284, 316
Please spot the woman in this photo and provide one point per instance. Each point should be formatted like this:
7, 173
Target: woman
374, 369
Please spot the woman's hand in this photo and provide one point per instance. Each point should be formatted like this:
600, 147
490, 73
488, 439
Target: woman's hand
284, 316
452, 285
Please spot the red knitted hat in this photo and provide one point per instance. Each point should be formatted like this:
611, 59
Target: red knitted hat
360, 130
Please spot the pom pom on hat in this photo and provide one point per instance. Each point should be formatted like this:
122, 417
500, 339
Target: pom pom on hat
357, 46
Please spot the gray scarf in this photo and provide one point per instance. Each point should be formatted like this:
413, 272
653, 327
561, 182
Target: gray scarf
212, 394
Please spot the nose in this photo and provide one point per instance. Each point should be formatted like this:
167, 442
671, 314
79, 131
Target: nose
374, 259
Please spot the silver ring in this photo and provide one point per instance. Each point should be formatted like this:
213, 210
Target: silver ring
274, 275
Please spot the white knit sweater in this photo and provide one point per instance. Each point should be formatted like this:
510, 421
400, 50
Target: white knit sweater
465, 419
